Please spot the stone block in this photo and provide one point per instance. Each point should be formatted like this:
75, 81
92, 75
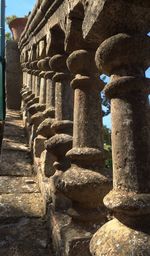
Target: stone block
68, 238
38, 147
47, 160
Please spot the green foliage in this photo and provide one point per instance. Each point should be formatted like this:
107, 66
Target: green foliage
107, 147
107, 135
105, 105
10, 18
8, 36
105, 101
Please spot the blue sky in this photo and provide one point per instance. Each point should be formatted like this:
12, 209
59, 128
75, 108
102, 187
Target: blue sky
21, 8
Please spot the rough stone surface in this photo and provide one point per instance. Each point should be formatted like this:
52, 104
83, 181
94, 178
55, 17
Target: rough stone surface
112, 36
23, 226
68, 238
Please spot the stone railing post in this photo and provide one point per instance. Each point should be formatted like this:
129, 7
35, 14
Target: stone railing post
125, 57
27, 98
50, 91
44, 129
27, 95
86, 182
61, 142
26, 91
25, 88
43, 160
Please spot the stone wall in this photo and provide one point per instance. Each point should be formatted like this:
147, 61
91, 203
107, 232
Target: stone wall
65, 47
13, 75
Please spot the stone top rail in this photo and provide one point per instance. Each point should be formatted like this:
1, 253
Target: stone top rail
91, 21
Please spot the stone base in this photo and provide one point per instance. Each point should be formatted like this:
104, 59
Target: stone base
115, 238
47, 160
68, 238
44, 183
38, 146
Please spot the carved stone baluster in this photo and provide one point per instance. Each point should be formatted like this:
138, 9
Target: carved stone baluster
61, 142
86, 182
43, 159
36, 111
27, 96
44, 129
29, 84
25, 89
125, 57
38, 117
50, 90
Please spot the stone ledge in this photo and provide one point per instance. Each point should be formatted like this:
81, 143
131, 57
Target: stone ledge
68, 238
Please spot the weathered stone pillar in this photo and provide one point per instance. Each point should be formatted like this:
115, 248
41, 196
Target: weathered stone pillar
125, 57
85, 182
44, 129
30, 96
43, 160
35, 80
37, 83
36, 117
61, 142
50, 90
27, 95
39, 55
42, 99
25, 89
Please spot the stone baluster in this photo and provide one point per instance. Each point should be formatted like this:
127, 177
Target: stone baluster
35, 99
24, 84
25, 89
37, 118
43, 159
42, 99
86, 182
125, 57
29, 97
61, 142
35, 87
39, 55
50, 91
34, 106
44, 129
37, 81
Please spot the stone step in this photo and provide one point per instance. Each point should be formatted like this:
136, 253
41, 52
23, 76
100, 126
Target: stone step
18, 185
11, 144
21, 205
15, 163
22, 210
24, 237
13, 129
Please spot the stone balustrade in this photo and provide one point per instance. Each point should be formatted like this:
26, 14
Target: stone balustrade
65, 47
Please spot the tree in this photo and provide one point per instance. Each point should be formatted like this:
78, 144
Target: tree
105, 105
105, 101
10, 18
107, 147
8, 36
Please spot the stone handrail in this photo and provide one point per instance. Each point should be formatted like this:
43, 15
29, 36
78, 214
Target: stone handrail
65, 47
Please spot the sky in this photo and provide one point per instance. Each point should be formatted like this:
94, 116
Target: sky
20, 8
